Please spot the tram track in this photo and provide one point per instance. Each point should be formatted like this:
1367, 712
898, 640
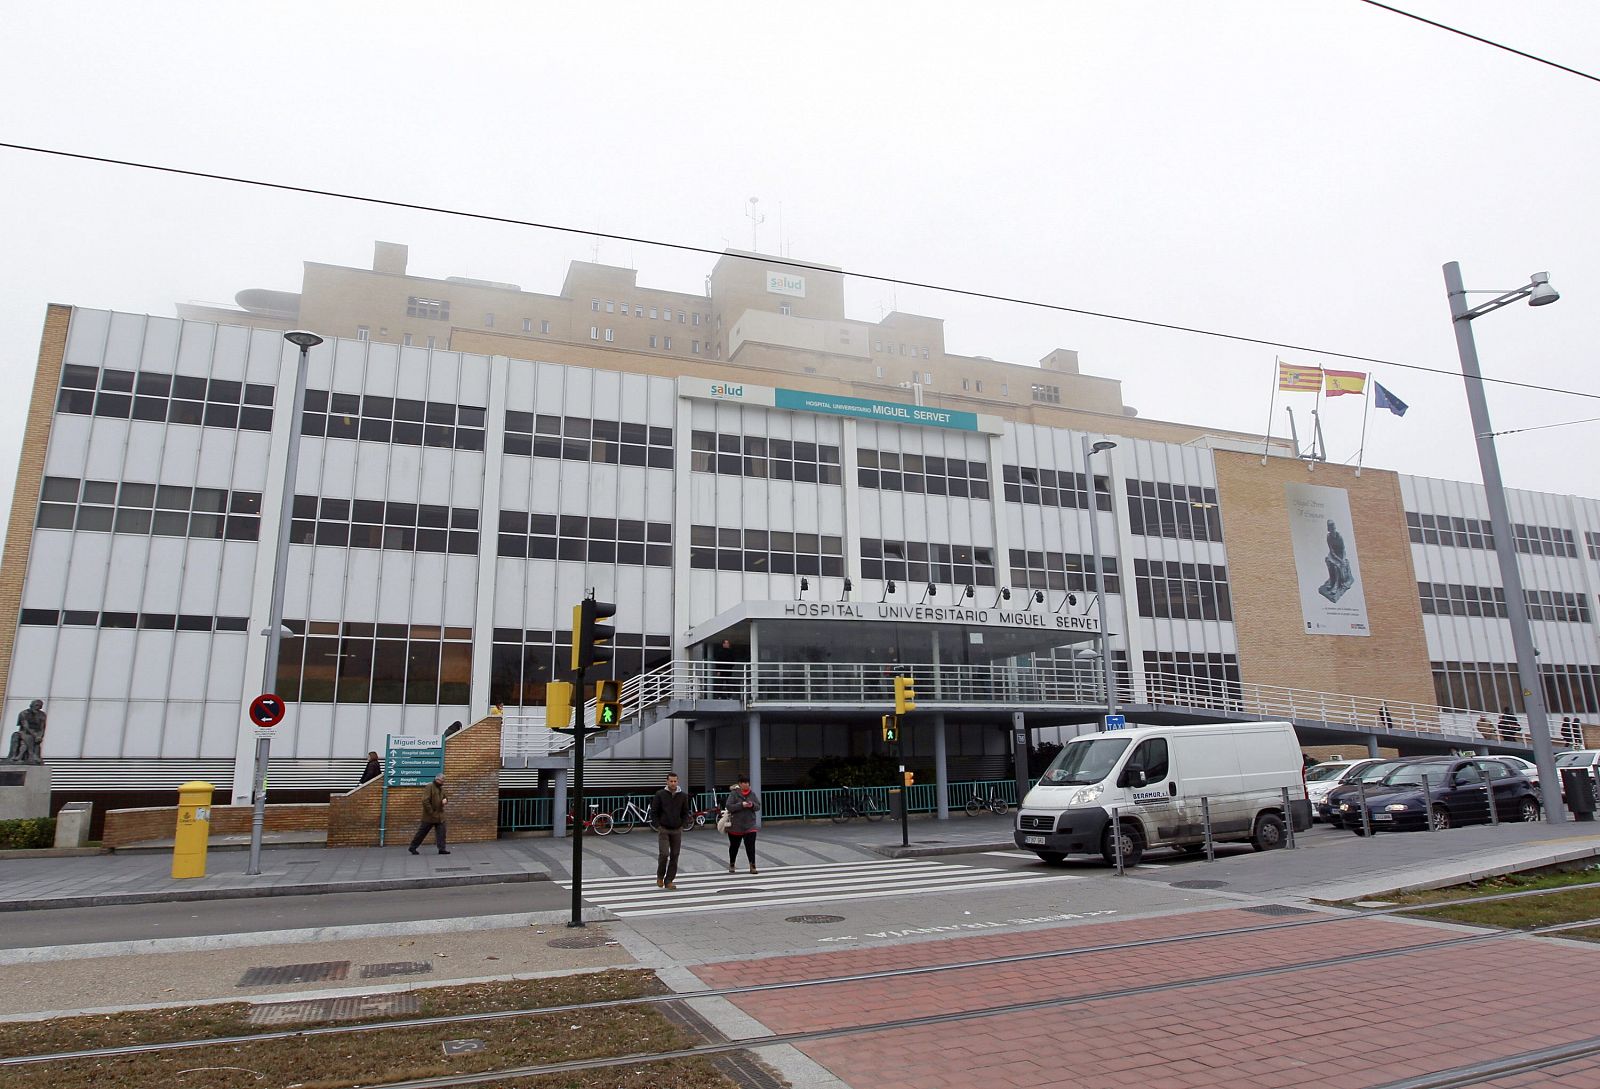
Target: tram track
720, 1047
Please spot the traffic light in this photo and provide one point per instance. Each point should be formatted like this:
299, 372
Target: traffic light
891, 728
591, 640
910, 778
558, 705
905, 695
608, 704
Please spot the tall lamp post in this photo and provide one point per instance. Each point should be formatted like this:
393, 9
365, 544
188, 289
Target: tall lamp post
305, 341
1538, 292
1089, 451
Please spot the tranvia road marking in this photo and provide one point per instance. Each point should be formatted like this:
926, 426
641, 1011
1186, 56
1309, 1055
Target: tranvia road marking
637, 897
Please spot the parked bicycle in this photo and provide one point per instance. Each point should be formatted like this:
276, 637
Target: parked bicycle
629, 817
850, 803
990, 801
700, 817
599, 823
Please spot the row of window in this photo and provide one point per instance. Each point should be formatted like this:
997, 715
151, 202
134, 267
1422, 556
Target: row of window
768, 551
1182, 591
1494, 686
1050, 395
77, 618
578, 438
1557, 605
917, 562
1067, 571
165, 398
373, 523
915, 351
401, 420
609, 335
1053, 488
1592, 541
921, 474
1191, 677
1185, 512
666, 313
1453, 599
1449, 529
764, 458
526, 536
164, 510
429, 309
352, 662
522, 663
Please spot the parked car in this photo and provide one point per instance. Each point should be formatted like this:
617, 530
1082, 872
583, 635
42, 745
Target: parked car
1324, 777
1579, 758
1520, 766
1456, 792
1329, 809
1162, 781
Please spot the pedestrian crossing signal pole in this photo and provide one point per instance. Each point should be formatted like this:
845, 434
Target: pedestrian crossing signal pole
905, 701
591, 646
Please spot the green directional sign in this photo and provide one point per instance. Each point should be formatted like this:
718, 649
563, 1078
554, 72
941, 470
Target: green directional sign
413, 761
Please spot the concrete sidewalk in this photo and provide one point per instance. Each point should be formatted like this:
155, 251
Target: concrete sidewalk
105, 880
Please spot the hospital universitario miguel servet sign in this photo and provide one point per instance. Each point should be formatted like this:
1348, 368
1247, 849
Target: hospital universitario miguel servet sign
889, 612
834, 404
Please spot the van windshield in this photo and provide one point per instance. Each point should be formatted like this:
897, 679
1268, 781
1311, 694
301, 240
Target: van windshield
1084, 762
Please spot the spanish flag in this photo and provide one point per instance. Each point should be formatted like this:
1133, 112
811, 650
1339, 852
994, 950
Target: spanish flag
1299, 379
1335, 383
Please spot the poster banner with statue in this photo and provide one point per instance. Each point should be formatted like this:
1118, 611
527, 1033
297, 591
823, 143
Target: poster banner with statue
1332, 599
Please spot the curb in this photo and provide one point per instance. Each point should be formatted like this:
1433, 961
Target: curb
245, 892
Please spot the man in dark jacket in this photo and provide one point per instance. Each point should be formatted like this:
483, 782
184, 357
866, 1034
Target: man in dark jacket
669, 812
432, 817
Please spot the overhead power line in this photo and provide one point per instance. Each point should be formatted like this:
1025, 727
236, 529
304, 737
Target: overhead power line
786, 262
1541, 427
1486, 41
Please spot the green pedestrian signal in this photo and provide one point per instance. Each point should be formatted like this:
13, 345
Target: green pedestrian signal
608, 704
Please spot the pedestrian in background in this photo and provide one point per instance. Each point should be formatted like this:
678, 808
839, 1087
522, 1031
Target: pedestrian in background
432, 817
669, 812
374, 768
742, 804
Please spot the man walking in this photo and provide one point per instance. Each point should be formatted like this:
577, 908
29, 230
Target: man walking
669, 812
432, 817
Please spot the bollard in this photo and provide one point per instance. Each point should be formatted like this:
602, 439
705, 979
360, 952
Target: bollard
1427, 805
1488, 793
1366, 818
1205, 819
1116, 839
1288, 821
194, 830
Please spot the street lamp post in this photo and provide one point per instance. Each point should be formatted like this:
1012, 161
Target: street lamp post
305, 341
1538, 292
1089, 451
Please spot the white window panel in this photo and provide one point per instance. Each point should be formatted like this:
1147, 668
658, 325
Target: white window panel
830, 519
576, 495
541, 607
215, 467
614, 492
658, 588
30, 669
46, 587
161, 565
124, 341
634, 401
578, 396
160, 344
71, 674
466, 489
435, 476
69, 446
231, 351
349, 731
394, 589
106, 444
86, 337
361, 587
327, 584
519, 386
264, 359
405, 468
385, 719
86, 575
461, 586
102, 734
152, 662
444, 377
113, 664
515, 473
349, 365
65, 736
372, 468
411, 374
547, 478
155, 729
474, 380
509, 577
656, 500
179, 461
312, 724
219, 729
338, 471
233, 590
297, 579
423, 722
226, 680
428, 592
191, 650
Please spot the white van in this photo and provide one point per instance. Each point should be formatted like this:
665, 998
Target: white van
1155, 777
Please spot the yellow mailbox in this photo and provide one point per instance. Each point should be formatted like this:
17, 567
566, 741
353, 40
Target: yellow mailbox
194, 830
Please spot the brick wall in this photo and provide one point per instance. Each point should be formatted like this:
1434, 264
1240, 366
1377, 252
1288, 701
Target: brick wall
1392, 662
125, 827
30, 476
471, 786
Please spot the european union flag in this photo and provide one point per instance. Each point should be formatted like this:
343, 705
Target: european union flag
1384, 399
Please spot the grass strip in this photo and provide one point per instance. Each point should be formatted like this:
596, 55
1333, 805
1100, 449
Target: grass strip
1531, 881
1526, 913
228, 1019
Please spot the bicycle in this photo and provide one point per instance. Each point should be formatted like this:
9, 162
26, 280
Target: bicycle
699, 818
848, 803
992, 802
599, 823
629, 816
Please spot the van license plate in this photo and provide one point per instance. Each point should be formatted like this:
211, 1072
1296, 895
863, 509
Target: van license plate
1039, 840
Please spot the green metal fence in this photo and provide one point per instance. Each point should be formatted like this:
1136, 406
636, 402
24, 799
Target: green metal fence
534, 814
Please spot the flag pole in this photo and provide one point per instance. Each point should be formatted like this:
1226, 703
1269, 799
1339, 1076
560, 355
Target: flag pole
1366, 405
1272, 403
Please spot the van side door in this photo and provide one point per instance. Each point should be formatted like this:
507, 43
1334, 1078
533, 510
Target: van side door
1147, 775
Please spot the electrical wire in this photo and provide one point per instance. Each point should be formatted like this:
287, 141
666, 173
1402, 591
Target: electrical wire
1486, 41
1540, 427
786, 262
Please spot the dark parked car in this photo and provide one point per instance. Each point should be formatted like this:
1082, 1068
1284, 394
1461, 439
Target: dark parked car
1328, 809
1457, 792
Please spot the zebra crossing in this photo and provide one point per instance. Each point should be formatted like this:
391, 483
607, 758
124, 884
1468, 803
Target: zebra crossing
786, 886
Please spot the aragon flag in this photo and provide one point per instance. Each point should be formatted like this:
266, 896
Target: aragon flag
1335, 383
1299, 379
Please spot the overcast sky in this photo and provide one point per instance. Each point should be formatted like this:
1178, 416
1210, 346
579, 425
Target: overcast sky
1294, 172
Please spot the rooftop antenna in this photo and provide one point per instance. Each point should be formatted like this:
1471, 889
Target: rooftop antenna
594, 251
755, 222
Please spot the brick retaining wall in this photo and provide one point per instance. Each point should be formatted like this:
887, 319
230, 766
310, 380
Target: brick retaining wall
125, 827
471, 785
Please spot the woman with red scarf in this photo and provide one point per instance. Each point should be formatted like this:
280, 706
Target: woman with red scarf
742, 804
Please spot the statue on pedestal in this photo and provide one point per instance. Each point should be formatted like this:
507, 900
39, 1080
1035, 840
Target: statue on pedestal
27, 744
